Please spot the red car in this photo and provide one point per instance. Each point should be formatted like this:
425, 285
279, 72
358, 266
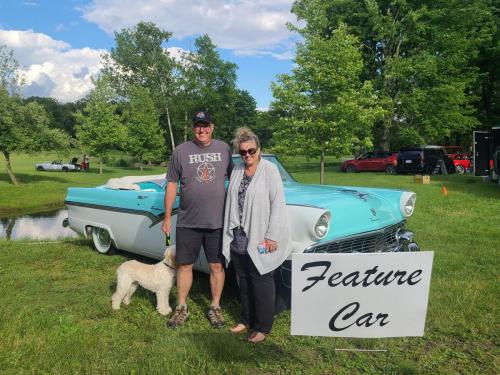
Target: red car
379, 161
461, 160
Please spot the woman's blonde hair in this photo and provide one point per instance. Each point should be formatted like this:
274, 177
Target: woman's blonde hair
242, 135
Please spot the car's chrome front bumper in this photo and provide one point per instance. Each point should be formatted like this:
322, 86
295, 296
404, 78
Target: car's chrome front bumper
405, 241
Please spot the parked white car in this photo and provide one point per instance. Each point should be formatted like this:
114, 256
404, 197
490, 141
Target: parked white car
57, 165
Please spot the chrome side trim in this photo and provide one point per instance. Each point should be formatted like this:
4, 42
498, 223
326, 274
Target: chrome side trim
305, 205
155, 219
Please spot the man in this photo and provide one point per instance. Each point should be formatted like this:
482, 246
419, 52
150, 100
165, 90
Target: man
202, 167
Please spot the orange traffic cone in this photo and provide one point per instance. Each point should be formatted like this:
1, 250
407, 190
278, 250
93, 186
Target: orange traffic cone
444, 191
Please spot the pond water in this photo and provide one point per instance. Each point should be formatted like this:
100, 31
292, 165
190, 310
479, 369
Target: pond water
40, 226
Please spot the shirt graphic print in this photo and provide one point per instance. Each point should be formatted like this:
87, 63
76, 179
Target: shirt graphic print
205, 172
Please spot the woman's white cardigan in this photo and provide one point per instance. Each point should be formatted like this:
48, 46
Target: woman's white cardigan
264, 215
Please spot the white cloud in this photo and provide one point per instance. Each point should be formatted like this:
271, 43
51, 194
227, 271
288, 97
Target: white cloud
51, 67
256, 27
177, 53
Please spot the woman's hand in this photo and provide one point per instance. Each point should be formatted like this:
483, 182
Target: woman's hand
271, 245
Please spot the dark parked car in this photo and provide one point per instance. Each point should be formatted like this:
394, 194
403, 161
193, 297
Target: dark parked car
424, 159
378, 161
495, 171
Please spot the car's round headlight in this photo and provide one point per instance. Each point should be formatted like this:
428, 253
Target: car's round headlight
407, 203
321, 227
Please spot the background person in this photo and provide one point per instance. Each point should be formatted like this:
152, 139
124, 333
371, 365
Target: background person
256, 234
202, 167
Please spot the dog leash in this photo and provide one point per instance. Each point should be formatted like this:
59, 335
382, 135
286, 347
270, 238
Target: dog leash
168, 243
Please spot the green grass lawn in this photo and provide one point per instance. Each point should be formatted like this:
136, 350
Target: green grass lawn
56, 309
44, 191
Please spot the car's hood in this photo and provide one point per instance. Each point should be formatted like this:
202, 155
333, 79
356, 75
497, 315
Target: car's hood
354, 210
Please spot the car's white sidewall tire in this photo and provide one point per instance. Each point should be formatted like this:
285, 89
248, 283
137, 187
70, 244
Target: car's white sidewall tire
459, 169
39, 168
390, 169
102, 241
350, 169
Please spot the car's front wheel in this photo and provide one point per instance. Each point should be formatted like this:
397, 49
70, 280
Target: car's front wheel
390, 169
102, 241
350, 169
65, 169
459, 169
39, 168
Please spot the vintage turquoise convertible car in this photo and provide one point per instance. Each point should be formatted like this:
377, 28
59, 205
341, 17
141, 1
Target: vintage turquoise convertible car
127, 213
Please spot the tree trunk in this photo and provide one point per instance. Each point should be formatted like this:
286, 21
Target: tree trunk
170, 129
322, 168
8, 168
385, 138
100, 166
185, 126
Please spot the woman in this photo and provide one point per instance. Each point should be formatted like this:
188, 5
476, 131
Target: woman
255, 234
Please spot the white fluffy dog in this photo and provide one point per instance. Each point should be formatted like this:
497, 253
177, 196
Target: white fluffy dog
157, 278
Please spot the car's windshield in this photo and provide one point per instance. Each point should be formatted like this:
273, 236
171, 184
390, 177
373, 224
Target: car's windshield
285, 176
410, 154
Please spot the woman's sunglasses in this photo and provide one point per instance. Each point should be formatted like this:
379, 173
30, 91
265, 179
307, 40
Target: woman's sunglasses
250, 151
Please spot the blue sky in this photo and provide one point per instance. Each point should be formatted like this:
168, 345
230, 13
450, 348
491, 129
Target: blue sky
59, 43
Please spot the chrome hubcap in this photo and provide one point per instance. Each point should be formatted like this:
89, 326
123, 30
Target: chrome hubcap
103, 237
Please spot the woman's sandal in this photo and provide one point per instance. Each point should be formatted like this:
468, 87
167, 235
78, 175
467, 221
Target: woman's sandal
238, 328
257, 337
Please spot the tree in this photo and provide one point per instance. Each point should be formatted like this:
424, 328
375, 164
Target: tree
139, 59
324, 108
145, 138
265, 125
62, 115
99, 129
417, 54
9, 71
487, 88
245, 108
23, 127
208, 82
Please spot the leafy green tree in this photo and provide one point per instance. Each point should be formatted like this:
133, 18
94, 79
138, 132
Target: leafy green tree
487, 88
417, 54
265, 125
62, 115
23, 127
10, 79
246, 109
140, 59
100, 129
323, 106
145, 138
208, 82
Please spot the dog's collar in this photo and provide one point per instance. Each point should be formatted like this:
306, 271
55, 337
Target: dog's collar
168, 265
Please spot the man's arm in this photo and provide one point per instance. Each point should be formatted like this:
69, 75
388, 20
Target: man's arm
170, 195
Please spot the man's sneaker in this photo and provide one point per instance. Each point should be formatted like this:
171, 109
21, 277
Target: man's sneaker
215, 316
179, 317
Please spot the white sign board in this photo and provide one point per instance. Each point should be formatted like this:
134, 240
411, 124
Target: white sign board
360, 295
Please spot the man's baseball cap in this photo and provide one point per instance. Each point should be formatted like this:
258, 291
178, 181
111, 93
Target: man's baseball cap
202, 116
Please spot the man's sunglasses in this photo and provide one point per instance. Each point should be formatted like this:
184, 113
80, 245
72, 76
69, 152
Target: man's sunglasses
250, 151
202, 125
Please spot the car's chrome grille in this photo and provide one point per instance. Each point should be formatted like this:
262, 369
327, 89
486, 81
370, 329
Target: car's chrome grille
376, 241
